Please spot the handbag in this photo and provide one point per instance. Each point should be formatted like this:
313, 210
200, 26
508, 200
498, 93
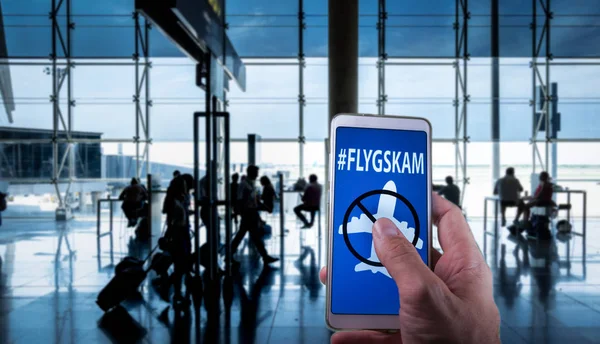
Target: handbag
265, 229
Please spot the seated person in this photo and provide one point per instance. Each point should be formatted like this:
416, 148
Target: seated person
311, 201
133, 197
541, 198
267, 198
450, 191
508, 189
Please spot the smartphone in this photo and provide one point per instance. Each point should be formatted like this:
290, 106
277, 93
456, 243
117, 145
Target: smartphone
380, 166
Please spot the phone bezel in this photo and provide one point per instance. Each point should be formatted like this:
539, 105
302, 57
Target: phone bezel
360, 321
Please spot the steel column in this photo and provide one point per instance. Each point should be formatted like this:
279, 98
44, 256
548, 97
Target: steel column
381, 58
61, 43
541, 77
462, 97
142, 86
495, 88
301, 95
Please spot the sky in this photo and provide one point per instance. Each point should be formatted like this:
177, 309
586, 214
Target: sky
269, 106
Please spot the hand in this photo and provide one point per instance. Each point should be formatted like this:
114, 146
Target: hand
451, 304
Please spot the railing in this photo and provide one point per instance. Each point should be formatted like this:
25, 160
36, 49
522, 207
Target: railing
99, 234
568, 192
110, 201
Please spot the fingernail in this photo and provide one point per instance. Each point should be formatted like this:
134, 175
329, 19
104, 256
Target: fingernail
386, 228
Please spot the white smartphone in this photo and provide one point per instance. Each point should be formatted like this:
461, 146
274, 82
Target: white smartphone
380, 166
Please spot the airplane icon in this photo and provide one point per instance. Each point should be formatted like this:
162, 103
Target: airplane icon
362, 224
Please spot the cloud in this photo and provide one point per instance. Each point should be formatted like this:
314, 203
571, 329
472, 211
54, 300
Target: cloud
360, 224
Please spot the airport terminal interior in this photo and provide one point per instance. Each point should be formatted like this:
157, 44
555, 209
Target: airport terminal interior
99, 98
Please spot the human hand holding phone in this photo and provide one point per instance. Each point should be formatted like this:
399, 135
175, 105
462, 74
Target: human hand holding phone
453, 303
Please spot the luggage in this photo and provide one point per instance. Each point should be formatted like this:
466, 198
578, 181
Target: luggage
129, 274
563, 226
267, 231
161, 262
126, 263
124, 285
142, 231
540, 228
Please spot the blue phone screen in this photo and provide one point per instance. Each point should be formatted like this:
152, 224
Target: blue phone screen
378, 173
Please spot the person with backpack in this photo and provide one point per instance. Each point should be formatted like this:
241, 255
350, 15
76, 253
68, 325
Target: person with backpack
133, 197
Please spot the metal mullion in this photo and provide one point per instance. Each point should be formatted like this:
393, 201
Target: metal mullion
540, 41
392, 63
457, 85
136, 96
460, 79
301, 95
544, 7
70, 101
466, 16
55, 102
543, 86
539, 156
548, 100
60, 199
140, 114
61, 39
460, 120
148, 103
64, 159
142, 80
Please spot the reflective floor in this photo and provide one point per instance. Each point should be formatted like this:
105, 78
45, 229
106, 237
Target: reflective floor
51, 274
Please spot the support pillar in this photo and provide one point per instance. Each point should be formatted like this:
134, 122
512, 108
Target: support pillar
495, 87
461, 95
381, 58
301, 95
343, 57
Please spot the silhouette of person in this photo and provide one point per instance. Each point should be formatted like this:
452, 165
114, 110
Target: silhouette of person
178, 232
267, 196
311, 201
234, 191
450, 191
133, 197
3, 204
542, 197
248, 201
508, 189
204, 209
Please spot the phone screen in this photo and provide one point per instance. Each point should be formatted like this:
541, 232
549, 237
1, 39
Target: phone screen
378, 173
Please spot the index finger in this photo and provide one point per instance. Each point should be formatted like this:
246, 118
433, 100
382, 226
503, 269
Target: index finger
453, 230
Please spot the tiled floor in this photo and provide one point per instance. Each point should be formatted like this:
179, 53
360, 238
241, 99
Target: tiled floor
51, 274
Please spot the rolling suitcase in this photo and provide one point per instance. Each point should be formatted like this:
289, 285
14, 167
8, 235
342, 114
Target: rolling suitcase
129, 274
161, 262
122, 286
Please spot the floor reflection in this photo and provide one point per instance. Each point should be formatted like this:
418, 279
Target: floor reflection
50, 276
543, 290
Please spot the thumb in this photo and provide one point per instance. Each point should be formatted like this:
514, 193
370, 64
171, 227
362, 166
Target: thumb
401, 259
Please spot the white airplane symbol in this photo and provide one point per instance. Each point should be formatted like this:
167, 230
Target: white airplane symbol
362, 224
